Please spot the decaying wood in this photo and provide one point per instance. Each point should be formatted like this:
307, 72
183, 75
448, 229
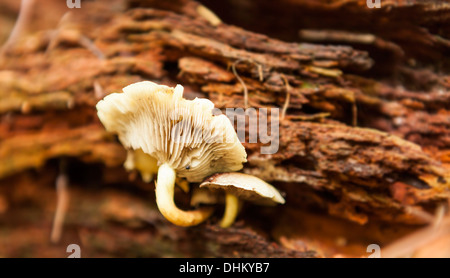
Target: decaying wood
352, 144
122, 223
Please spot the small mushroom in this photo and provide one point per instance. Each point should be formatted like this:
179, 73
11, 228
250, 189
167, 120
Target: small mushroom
144, 163
239, 186
183, 136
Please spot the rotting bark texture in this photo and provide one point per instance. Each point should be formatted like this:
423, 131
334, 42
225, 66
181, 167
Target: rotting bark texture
357, 141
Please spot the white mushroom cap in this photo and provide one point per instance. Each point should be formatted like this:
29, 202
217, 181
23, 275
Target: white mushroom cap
246, 187
181, 133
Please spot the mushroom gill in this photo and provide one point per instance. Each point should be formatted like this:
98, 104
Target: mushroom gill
182, 135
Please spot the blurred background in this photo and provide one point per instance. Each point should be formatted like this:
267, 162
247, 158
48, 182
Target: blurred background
364, 139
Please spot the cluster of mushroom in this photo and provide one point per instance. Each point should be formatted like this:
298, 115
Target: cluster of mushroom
170, 136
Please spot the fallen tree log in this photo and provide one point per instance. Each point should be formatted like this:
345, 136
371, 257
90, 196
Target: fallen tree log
351, 144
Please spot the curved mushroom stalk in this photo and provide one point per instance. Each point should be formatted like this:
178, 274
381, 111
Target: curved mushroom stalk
232, 206
157, 121
165, 200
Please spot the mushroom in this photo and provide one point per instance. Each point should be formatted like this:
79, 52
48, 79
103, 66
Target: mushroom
147, 166
182, 135
237, 187
144, 163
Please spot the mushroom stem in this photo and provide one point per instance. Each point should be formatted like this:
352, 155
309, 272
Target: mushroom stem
231, 210
165, 200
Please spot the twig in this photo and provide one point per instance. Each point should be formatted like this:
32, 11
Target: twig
207, 14
59, 35
354, 113
439, 216
62, 203
336, 36
98, 90
438, 226
288, 96
21, 22
260, 73
312, 117
233, 68
427, 217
